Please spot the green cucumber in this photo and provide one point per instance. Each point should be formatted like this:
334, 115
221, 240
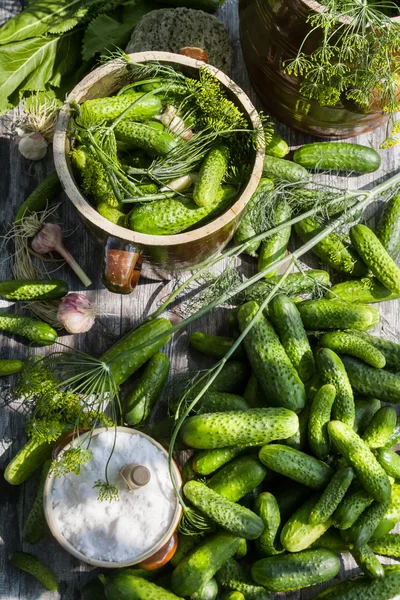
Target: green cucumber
296, 465
296, 571
238, 478
206, 462
376, 257
363, 529
284, 170
395, 436
319, 417
233, 596
11, 367
390, 350
368, 562
236, 519
93, 590
392, 515
139, 403
338, 156
124, 586
387, 545
343, 342
187, 471
325, 314
242, 549
294, 285
215, 346
173, 215
253, 394
273, 248
35, 525
114, 214
145, 137
208, 591
299, 440
289, 326
332, 495
232, 576
390, 461
248, 226
219, 402
212, 171
370, 473
367, 381
271, 365
201, 564
366, 290
331, 540
276, 147
40, 198
30, 458
33, 330
143, 107
389, 227
352, 506
362, 588
380, 427
331, 249
255, 427
32, 565
124, 365
331, 370
365, 410
289, 502
186, 543
266, 507
33, 289
298, 533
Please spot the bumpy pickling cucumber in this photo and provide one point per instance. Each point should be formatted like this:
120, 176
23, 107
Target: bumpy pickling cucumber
332, 495
368, 562
289, 326
208, 461
367, 381
238, 478
266, 507
392, 515
339, 156
247, 227
114, 214
208, 591
34, 330
32, 565
364, 588
10, 367
395, 436
274, 247
370, 473
347, 343
220, 401
366, 290
325, 314
390, 461
173, 215
298, 533
389, 227
107, 109
256, 427
275, 373
253, 394
387, 545
365, 410
284, 170
331, 540
232, 576
296, 571
296, 465
33, 289
277, 147
319, 417
215, 345
352, 506
331, 250
363, 529
331, 370
124, 586
390, 350
295, 284
212, 170
27, 461
149, 139
376, 257
380, 427
35, 525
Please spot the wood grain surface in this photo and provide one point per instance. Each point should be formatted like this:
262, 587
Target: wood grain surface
18, 177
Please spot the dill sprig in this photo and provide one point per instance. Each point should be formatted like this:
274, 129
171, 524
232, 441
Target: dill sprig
107, 491
356, 57
70, 461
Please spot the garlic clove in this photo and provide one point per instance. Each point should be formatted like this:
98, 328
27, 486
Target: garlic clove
33, 146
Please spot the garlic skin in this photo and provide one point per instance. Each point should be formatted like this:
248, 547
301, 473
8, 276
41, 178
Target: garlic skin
33, 146
175, 124
76, 313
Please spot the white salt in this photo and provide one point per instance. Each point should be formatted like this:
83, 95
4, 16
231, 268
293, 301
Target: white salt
123, 529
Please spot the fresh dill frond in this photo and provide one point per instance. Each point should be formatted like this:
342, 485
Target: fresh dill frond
45, 430
70, 461
107, 491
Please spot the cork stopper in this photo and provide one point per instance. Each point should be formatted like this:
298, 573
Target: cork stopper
135, 476
196, 53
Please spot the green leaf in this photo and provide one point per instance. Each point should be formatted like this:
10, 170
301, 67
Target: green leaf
108, 31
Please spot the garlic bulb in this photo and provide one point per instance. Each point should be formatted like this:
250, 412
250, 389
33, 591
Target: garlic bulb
76, 313
33, 146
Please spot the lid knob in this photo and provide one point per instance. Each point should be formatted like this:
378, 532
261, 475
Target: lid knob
135, 476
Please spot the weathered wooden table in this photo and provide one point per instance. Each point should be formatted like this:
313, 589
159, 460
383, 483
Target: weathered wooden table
118, 314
